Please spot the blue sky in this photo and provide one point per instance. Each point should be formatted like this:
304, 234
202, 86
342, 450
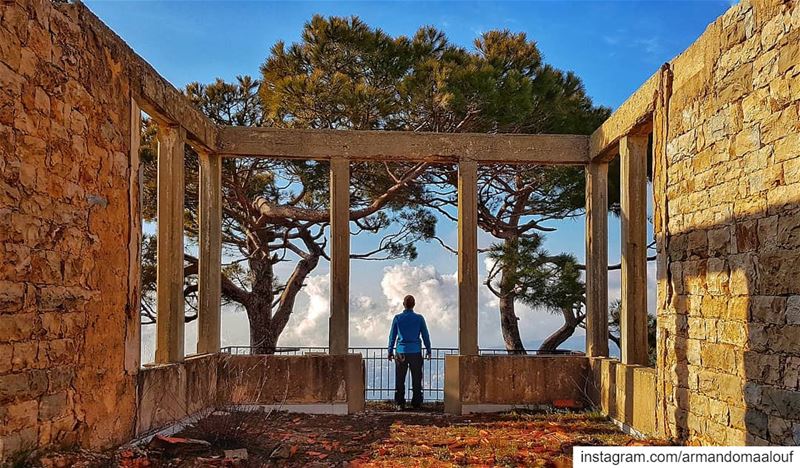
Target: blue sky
613, 46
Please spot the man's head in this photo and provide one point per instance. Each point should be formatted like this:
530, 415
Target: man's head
409, 302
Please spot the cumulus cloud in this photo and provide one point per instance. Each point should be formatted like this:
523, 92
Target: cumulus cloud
308, 325
437, 299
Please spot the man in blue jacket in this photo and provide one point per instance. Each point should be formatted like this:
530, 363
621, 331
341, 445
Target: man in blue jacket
406, 330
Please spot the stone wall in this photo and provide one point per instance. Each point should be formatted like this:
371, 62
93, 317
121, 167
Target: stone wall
729, 323
69, 224
64, 226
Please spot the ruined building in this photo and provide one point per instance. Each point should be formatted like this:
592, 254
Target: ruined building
725, 130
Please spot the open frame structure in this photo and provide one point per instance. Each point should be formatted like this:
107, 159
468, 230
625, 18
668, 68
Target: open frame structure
720, 122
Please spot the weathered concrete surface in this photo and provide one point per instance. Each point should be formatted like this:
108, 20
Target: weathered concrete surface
626, 393
475, 381
171, 392
378, 145
311, 379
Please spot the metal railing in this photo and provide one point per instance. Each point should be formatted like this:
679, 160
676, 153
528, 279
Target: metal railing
380, 372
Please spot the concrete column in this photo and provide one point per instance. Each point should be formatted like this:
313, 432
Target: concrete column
597, 259
169, 281
210, 255
133, 322
633, 203
468, 257
339, 323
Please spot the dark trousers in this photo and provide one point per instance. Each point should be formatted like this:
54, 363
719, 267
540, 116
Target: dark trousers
404, 362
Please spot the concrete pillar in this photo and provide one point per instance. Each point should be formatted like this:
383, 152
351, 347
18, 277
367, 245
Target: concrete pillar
169, 274
133, 322
339, 323
633, 203
468, 257
597, 259
210, 255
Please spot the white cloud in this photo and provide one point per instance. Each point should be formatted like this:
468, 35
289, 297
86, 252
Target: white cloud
308, 325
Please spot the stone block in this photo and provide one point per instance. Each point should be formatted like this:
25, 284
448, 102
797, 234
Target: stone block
22, 385
53, 406
768, 233
791, 373
789, 231
18, 415
787, 147
6, 355
778, 271
719, 241
793, 310
752, 394
732, 333
743, 274
768, 309
746, 141
782, 403
784, 339
719, 357
757, 423
762, 368
779, 124
780, 431
17, 327
19, 441
11, 296
26, 356
746, 236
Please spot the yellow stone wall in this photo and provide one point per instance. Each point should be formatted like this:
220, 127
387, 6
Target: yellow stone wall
729, 323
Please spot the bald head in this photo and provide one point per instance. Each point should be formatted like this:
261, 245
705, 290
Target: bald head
409, 302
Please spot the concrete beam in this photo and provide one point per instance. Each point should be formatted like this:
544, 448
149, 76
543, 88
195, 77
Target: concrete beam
339, 325
468, 257
169, 273
597, 259
210, 255
633, 203
634, 116
406, 146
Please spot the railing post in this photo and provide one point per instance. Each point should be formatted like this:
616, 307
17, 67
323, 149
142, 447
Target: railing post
339, 323
468, 257
633, 204
210, 255
597, 259
169, 274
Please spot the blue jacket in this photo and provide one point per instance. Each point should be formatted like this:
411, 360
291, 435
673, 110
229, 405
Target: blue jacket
408, 326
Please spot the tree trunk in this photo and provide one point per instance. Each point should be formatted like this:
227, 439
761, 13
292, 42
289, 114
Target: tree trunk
509, 324
262, 338
552, 342
262, 294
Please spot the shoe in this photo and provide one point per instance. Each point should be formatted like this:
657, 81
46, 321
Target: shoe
400, 407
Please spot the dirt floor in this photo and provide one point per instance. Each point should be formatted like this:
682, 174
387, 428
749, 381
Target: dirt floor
376, 438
